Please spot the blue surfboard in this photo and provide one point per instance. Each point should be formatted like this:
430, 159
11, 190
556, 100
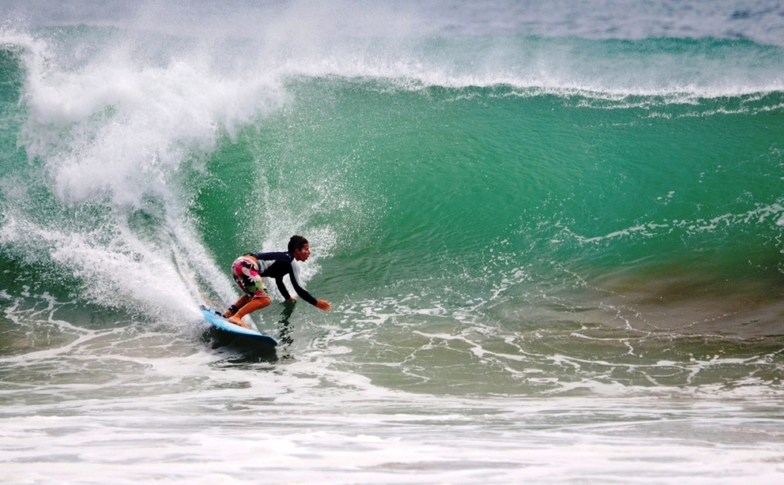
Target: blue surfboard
215, 319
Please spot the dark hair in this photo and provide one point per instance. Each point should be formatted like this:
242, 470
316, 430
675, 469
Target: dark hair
296, 242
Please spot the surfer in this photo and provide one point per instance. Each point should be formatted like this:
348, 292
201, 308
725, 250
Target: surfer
248, 270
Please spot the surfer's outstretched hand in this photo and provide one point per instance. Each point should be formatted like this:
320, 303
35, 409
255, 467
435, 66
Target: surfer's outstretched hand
323, 305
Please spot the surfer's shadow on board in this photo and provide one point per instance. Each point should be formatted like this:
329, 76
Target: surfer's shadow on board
242, 350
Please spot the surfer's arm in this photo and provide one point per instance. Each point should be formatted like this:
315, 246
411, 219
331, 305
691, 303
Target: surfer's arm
282, 289
293, 275
320, 304
302, 292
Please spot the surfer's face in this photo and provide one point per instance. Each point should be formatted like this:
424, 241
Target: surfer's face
303, 253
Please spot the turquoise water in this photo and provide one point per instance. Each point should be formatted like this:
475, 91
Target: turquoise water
553, 247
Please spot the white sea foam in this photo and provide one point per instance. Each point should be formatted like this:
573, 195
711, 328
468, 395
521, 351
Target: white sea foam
305, 424
455, 45
128, 406
761, 214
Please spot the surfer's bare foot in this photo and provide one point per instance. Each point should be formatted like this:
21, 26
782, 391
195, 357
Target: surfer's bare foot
237, 321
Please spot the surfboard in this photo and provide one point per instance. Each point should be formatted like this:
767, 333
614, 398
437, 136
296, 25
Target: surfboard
215, 319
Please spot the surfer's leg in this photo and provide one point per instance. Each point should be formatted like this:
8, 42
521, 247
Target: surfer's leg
246, 274
247, 277
244, 299
253, 305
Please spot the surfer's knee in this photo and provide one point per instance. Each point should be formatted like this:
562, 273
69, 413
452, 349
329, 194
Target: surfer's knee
262, 301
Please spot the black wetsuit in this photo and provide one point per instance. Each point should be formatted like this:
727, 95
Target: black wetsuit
278, 265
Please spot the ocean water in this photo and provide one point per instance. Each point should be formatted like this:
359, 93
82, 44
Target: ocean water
551, 233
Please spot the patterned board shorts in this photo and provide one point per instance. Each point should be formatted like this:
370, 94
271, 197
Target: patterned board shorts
245, 270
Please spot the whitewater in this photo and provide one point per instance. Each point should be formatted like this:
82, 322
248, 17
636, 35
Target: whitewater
551, 234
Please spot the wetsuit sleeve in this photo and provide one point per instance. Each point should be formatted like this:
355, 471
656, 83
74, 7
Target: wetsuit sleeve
282, 289
300, 290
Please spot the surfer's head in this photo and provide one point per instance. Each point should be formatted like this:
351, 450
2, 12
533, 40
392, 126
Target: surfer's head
299, 248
